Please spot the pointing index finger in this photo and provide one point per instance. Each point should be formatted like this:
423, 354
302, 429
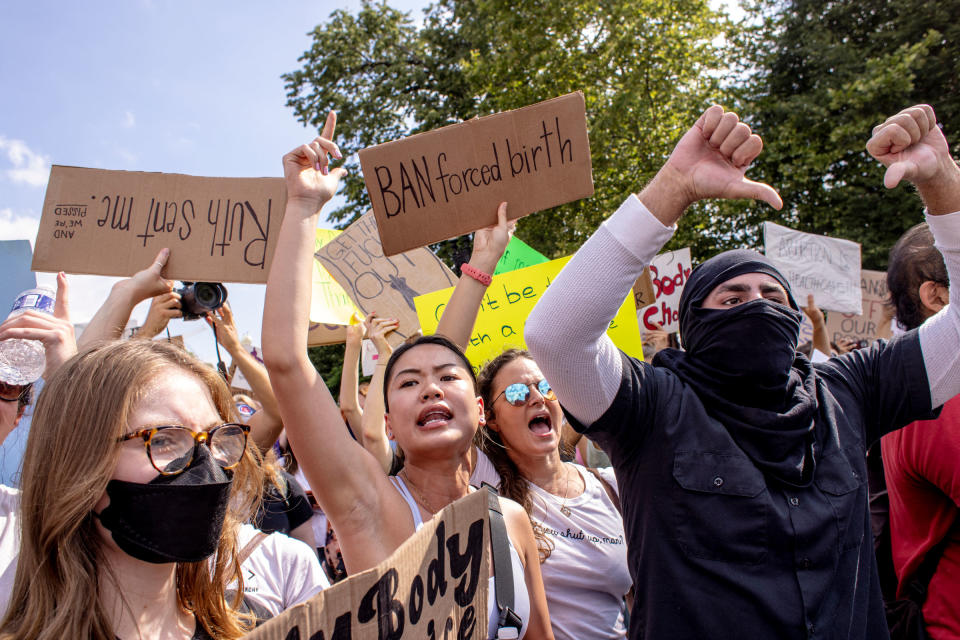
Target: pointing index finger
329, 126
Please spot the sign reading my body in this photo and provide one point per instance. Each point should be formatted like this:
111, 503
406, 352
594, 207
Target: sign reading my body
231, 221
420, 182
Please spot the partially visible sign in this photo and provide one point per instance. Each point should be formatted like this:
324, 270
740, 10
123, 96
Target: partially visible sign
324, 334
828, 268
113, 223
434, 586
504, 309
329, 303
15, 257
375, 282
643, 291
874, 322
668, 275
447, 182
518, 255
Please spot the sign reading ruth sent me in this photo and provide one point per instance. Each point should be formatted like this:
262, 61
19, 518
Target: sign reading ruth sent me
113, 223
448, 182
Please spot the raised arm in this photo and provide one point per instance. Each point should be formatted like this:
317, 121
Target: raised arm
913, 148
373, 425
110, 319
163, 308
460, 314
566, 331
346, 480
350, 379
821, 340
265, 425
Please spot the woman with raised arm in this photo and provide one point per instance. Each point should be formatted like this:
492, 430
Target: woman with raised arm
741, 464
432, 410
574, 510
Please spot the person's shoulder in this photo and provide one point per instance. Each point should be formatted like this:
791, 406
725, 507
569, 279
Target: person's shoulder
285, 549
9, 499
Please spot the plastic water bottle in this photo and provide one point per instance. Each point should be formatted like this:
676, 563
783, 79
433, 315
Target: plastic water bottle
23, 361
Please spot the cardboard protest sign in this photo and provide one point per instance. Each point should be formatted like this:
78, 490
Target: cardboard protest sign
829, 268
434, 586
329, 303
873, 323
375, 282
448, 182
518, 255
323, 334
643, 291
503, 313
668, 274
114, 223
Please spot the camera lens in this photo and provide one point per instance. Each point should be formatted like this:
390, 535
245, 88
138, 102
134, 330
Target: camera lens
208, 294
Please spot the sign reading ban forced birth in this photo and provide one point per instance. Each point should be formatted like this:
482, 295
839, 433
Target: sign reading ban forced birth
114, 223
504, 309
828, 268
447, 182
375, 282
433, 586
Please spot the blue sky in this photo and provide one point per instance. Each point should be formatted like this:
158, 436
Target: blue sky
148, 85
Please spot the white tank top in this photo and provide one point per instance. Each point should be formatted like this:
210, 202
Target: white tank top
521, 599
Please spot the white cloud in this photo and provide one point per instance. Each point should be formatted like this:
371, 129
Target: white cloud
29, 167
129, 121
15, 226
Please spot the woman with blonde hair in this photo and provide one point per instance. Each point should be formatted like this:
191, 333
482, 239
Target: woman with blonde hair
135, 482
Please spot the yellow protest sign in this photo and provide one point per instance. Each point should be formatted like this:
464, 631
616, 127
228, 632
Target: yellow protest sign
503, 312
330, 304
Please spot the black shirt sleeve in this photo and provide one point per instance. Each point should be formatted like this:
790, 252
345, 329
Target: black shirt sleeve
888, 378
632, 409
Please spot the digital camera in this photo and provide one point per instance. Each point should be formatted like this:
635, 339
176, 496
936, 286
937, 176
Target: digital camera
199, 298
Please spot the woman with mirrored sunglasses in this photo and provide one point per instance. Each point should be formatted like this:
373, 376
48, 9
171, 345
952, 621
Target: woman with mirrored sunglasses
135, 483
432, 411
573, 510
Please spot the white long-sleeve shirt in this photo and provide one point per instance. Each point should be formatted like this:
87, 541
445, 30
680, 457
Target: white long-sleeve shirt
584, 367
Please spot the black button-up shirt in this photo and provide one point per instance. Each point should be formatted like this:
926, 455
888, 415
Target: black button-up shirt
716, 549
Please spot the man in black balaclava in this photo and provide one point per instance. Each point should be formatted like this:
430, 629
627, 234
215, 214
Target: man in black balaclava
741, 465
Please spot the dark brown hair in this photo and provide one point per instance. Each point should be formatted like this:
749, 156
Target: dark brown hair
512, 484
913, 261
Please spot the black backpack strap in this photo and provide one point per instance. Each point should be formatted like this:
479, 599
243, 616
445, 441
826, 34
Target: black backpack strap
502, 568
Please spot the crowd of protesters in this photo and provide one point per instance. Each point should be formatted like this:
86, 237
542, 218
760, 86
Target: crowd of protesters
731, 498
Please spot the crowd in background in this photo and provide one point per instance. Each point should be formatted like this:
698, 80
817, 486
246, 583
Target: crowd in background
718, 489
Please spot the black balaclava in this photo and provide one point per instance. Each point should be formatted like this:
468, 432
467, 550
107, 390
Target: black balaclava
743, 365
171, 518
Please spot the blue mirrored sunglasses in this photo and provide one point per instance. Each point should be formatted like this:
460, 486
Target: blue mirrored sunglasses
518, 392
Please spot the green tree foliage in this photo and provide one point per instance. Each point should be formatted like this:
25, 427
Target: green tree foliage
328, 361
821, 75
646, 67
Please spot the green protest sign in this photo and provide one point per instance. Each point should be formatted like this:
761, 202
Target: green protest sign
517, 256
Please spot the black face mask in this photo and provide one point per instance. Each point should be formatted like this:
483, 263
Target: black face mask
755, 342
171, 518
742, 364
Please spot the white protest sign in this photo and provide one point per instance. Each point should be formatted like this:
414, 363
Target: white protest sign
368, 357
668, 273
828, 268
433, 586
